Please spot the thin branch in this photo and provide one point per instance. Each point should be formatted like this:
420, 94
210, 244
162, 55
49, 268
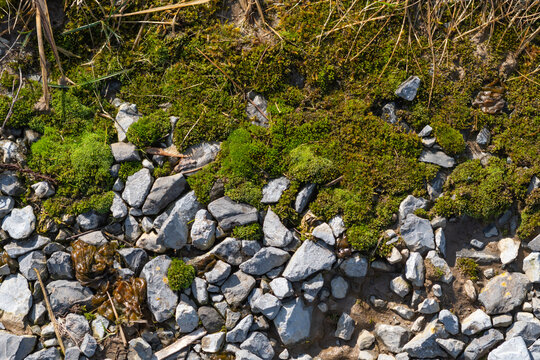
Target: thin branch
15, 98
15, 167
122, 335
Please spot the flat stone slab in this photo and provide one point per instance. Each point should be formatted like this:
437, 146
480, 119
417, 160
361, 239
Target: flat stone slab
504, 292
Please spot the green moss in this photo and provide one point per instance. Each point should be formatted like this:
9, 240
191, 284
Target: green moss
248, 232
468, 267
423, 213
23, 110
478, 191
149, 129
450, 139
530, 216
355, 207
284, 209
203, 181
100, 203
245, 192
179, 275
164, 170
79, 163
128, 168
365, 238
305, 166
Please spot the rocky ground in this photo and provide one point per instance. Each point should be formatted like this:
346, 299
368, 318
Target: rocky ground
294, 295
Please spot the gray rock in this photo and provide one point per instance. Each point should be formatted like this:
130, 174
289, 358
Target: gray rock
139, 349
534, 350
230, 214
275, 233
203, 230
477, 244
281, 288
43, 189
59, 266
428, 306
407, 90
437, 157
345, 327
200, 291
365, 340
118, 208
165, 190
325, 233
410, 204
240, 331
213, 343
508, 249
504, 292
173, 234
414, 269
450, 321
256, 109
150, 242
28, 262
15, 297
339, 287
475, 322
531, 267
481, 257
135, 258
20, 223
534, 244
99, 326
118, 185
338, 225
400, 286
210, 319
402, 310
37, 314
122, 151
440, 264
229, 251
393, 337
529, 330
490, 231
424, 344
435, 186
250, 247
6, 205
132, 230
484, 137
161, 299
137, 187
312, 287
237, 288
126, 116
257, 343
309, 259
244, 355
267, 304
197, 155
64, 294
219, 273
304, 197
45, 354
89, 220
14, 347
440, 241
10, 184
389, 113
293, 322
265, 260
355, 266
274, 189
453, 347
77, 326
482, 345
95, 238
513, 348
184, 208
418, 234
89, 345
426, 131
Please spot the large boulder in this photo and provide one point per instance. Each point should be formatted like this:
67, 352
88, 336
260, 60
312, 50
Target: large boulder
504, 292
15, 297
161, 299
137, 187
20, 223
311, 257
293, 322
165, 190
418, 234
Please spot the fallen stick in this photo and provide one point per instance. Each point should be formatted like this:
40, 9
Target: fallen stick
15, 167
117, 322
180, 344
51, 313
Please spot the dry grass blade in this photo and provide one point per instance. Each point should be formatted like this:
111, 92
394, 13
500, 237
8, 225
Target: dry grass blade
43, 11
15, 98
122, 335
50, 311
163, 8
43, 104
162, 152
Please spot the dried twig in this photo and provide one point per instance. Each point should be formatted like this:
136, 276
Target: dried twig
15, 98
163, 8
18, 168
51, 313
163, 152
122, 335
180, 344
334, 182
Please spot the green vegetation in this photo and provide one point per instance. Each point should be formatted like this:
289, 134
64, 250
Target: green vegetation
469, 268
128, 168
248, 232
149, 129
530, 216
179, 275
478, 191
305, 166
450, 139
